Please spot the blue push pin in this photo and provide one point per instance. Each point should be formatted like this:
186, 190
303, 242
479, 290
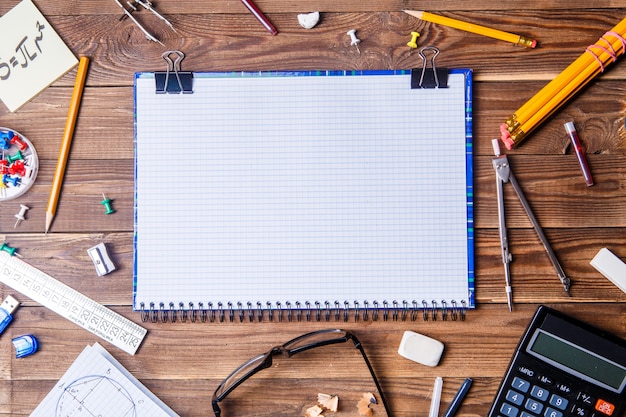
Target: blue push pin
5, 139
13, 180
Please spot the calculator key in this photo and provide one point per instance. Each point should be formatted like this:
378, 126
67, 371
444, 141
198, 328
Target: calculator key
534, 406
526, 414
551, 412
521, 384
546, 380
526, 371
540, 393
579, 411
508, 410
586, 399
564, 388
558, 402
514, 397
605, 407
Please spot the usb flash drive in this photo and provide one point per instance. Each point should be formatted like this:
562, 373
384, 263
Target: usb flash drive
6, 309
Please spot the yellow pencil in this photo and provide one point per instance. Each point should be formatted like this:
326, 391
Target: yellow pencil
522, 114
470, 27
529, 108
551, 106
68, 133
578, 74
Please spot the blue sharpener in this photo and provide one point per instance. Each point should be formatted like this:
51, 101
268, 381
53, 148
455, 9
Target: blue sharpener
25, 345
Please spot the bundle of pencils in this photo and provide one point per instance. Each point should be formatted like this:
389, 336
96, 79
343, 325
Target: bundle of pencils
578, 74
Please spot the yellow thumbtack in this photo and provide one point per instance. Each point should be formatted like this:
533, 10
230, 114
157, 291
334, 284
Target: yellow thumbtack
413, 42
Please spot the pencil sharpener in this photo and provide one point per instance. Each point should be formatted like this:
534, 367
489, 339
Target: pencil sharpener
101, 259
25, 345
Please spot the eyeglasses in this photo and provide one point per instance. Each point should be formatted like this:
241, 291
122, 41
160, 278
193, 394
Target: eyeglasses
297, 345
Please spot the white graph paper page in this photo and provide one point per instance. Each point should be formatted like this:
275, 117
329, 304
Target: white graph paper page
299, 187
96, 384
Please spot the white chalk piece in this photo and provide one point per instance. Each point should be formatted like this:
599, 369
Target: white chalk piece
611, 267
421, 349
309, 20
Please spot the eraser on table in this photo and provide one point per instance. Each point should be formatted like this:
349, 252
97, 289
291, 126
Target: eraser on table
611, 267
421, 349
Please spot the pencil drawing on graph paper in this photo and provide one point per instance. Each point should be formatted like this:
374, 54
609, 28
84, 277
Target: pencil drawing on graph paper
84, 398
97, 385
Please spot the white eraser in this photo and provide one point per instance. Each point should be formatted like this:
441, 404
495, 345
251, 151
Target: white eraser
611, 267
421, 349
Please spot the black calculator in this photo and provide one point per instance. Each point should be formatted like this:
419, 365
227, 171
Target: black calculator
563, 367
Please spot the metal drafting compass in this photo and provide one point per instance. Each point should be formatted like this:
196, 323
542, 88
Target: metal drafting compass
505, 175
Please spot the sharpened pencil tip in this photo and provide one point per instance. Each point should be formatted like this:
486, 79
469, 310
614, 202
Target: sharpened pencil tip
49, 218
414, 13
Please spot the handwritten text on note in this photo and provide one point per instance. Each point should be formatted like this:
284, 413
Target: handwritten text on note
32, 55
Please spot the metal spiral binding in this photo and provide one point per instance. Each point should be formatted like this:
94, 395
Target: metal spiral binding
297, 312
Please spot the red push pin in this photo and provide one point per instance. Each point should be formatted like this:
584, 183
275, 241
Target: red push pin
19, 143
18, 168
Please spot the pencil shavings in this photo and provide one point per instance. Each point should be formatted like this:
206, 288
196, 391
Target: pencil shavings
326, 403
314, 411
364, 404
330, 402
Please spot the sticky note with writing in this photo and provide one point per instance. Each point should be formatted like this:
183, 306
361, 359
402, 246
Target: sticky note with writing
32, 55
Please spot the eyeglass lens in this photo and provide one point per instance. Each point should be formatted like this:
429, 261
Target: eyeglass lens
240, 373
314, 339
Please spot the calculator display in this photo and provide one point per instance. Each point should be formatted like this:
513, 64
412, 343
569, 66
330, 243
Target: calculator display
563, 367
577, 361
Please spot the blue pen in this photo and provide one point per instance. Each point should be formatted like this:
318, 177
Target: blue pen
458, 398
6, 309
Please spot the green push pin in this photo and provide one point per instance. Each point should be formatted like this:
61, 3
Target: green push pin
17, 156
107, 205
9, 250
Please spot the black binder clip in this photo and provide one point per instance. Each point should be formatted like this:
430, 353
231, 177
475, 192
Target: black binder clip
173, 81
432, 77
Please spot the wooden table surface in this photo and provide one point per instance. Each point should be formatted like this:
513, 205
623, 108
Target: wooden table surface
183, 363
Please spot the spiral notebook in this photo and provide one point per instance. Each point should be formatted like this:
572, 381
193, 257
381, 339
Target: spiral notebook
317, 195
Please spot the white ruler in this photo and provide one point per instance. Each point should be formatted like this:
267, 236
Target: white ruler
71, 304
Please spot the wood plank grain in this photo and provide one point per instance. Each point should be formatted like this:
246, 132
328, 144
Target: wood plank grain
64, 256
285, 6
216, 42
553, 186
104, 130
182, 363
406, 384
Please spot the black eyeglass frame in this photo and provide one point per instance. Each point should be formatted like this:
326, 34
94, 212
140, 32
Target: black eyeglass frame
266, 361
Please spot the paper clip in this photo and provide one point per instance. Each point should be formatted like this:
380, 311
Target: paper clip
146, 4
432, 77
181, 82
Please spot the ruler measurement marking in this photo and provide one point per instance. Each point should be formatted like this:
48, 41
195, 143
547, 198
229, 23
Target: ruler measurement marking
71, 304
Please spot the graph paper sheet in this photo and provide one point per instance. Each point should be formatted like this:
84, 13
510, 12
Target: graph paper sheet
96, 384
305, 187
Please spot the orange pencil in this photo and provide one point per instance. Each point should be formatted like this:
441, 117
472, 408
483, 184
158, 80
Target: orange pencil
68, 133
